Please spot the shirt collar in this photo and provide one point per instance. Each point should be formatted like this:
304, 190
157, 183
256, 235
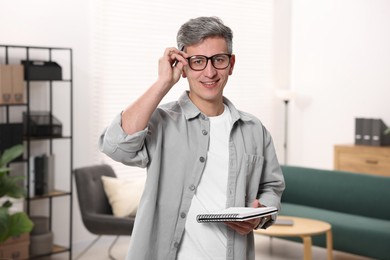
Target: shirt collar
191, 111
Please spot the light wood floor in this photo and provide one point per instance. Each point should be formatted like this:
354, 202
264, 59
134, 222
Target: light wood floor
266, 248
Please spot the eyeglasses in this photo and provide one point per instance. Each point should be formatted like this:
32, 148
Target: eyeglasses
219, 61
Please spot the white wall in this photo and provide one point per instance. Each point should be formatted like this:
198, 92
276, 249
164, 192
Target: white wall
340, 70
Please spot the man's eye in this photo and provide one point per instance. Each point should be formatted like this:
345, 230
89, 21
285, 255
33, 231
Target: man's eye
220, 59
197, 61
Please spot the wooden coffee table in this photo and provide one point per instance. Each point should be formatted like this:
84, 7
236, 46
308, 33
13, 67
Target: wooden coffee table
304, 228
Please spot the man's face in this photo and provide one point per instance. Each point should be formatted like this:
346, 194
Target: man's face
207, 85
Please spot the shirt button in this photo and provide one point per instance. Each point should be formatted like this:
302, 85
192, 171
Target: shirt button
176, 244
192, 187
202, 159
182, 215
204, 132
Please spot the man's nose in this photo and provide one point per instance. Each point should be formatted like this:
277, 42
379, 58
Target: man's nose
210, 71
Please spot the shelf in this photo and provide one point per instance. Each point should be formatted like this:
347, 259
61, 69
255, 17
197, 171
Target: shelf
50, 80
56, 193
34, 47
40, 138
13, 105
57, 249
46, 94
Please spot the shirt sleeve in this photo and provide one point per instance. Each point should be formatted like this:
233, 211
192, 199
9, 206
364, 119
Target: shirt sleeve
124, 148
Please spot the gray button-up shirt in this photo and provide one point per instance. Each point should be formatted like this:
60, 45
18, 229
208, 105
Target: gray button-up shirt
174, 147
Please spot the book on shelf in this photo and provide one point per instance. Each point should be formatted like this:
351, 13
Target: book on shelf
41, 175
236, 214
31, 177
48, 173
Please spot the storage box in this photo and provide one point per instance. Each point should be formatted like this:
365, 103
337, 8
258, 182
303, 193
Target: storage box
5, 84
41, 244
10, 134
41, 225
41, 70
15, 247
40, 124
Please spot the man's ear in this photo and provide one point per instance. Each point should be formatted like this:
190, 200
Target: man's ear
232, 62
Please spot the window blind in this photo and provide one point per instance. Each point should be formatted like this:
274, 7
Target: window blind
128, 37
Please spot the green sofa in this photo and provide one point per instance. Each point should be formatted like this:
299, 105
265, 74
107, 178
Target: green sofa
356, 205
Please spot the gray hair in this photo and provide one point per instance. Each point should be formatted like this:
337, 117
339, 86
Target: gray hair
196, 30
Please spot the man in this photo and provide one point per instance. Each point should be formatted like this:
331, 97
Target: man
202, 154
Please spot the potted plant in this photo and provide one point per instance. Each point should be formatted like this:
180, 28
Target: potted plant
11, 224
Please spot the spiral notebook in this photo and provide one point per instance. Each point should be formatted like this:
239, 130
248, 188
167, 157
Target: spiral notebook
236, 214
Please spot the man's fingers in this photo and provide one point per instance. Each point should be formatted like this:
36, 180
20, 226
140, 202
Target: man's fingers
244, 227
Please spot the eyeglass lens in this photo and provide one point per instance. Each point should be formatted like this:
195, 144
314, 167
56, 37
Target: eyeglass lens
199, 62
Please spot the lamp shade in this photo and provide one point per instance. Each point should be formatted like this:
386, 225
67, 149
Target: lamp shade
285, 94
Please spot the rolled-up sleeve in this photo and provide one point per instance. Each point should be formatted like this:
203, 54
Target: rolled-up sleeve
124, 148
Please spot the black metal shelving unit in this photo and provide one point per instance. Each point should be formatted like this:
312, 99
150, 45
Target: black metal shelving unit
26, 53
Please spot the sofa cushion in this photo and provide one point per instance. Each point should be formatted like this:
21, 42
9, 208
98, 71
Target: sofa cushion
358, 194
356, 234
123, 195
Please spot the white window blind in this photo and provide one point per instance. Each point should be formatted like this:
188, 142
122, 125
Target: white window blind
128, 38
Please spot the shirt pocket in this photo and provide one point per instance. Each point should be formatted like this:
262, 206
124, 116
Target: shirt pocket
253, 168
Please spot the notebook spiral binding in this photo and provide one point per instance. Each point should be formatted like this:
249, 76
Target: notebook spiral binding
213, 218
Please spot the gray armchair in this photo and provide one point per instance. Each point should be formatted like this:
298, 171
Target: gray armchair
95, 209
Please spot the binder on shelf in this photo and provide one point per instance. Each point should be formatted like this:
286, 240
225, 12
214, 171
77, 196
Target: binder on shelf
367, 128
378, 138
371, 131
41, 70
359, 130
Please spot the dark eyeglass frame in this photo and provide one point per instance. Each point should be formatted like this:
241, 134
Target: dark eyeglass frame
212, 58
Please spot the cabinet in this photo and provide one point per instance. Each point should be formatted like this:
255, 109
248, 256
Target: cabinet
53, 96
362, 159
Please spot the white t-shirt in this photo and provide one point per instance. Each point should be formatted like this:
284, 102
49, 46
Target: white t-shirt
207, 241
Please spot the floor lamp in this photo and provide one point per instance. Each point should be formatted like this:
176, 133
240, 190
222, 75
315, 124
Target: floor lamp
285, 95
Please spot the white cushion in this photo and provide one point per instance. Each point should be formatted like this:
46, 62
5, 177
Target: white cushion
123, 194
